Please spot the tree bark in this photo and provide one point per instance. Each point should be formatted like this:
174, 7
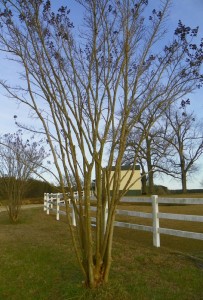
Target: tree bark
144, 184
184, 181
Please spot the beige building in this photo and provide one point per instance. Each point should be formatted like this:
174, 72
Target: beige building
135, 182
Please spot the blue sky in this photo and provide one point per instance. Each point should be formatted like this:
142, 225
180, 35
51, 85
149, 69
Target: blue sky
189, 11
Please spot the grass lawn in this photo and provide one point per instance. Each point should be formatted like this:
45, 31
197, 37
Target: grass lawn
37, 263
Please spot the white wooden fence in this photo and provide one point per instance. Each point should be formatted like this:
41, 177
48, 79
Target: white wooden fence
56, 200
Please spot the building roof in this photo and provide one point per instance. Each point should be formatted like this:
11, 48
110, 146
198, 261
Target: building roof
127, 167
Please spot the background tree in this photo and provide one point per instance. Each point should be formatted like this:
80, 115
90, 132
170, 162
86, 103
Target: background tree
186, 144
18, 161
171, 146
153, 147
73, 182
83, 85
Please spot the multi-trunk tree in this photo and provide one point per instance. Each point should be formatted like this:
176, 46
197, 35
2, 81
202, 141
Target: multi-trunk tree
83, 84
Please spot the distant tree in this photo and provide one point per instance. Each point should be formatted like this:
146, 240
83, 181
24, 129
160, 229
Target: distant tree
186, 145
73, 182
153, 148
172, 143
19, 160
83, 84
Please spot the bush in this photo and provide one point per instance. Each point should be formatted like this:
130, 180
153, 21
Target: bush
161, 190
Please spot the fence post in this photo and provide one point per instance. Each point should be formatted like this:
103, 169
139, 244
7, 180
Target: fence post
73, 216
75, 194
106, 215
57, 206
155, 211
51, 204
47, 201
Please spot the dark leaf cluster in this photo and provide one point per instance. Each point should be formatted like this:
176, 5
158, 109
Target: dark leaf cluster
156, 14
183, 30
184, 103
7, 15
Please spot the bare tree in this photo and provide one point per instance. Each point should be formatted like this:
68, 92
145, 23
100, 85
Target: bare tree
72, 181
83, 86
171, 146
154, 146
18, 161
186, 145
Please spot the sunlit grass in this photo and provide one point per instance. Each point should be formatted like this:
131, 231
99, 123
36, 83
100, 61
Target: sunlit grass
37, 262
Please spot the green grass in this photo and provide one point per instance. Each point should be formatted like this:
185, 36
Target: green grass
37, 262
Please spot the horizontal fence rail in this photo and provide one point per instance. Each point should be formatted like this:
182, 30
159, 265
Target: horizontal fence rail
53, 202
181, 200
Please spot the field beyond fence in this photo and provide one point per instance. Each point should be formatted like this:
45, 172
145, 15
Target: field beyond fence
55, 203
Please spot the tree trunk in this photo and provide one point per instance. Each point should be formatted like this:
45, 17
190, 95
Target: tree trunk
184, 182
183, 172
151, 182
144, 184
98, 268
